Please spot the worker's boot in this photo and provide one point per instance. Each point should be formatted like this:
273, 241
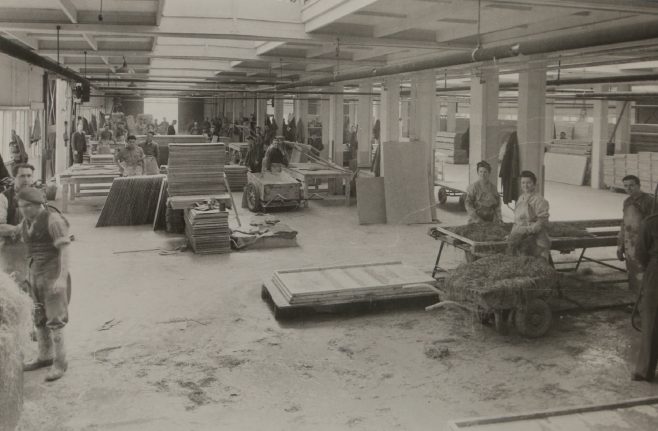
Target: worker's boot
45, 356
59, 364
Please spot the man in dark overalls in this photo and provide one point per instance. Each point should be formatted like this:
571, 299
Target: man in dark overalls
46, 235
647, 257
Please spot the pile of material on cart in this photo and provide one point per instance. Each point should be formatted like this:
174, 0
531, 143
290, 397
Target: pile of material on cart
263, 232
500, 280
101, 159
490, 232
351, 283
131, 201
196, 169
15, 327
206, 228
236, 175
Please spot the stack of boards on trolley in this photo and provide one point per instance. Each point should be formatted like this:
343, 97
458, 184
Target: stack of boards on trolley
196, 169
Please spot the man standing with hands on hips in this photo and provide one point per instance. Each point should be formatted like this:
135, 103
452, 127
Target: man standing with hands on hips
46, 235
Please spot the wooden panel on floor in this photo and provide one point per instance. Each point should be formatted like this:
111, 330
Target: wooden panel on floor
565, 168
370, 201
406, 190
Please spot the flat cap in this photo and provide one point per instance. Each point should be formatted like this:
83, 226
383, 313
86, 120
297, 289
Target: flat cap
31, 194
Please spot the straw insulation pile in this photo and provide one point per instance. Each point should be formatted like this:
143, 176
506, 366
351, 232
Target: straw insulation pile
15, 327
499, 280
491, 232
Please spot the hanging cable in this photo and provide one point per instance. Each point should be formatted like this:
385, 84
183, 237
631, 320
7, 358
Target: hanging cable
337, 57
100, 14
59, 27
85, 73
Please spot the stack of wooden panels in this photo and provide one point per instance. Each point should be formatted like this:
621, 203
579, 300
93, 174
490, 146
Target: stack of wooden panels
207, 231
570, 146
101, 159
131, 201
609, 171
643, 165
196, 169
450, 148
644, 138
644, 168
236, 175
351, 283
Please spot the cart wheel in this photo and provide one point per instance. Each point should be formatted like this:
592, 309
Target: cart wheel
442, 195
462, 202
253, 198
534, 319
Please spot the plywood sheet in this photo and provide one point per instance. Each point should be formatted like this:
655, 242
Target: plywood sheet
370, 200
406, 185
565, 168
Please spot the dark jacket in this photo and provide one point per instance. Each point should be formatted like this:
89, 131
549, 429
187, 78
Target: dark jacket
509, 170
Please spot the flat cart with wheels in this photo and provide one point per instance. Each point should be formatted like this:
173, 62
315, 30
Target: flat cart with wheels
266, 190
446, 191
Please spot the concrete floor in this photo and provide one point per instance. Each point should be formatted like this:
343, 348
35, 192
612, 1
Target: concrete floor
195, 347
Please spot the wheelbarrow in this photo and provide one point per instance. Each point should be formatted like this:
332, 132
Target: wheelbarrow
519, 302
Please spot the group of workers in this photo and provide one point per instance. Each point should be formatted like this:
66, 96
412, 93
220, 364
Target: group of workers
637, 244
34, 240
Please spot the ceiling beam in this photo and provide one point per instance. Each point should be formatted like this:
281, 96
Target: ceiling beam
69, 9
626, 6
90, 40
266, 47
220, 28
24, 38
158, 13
416, 17
323, 13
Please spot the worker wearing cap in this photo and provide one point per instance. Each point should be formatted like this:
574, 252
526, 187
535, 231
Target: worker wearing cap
46, 235
637, 207
529, 235
13, 252
482, 198
275, 156
647, 257
151, 155
130, 159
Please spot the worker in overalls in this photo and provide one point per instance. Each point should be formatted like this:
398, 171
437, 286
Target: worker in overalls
46, 235
151, 155
130, 159
637, 207
482, 201
646, 256
13, 252
529, 235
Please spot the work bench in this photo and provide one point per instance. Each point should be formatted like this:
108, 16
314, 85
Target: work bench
98, 177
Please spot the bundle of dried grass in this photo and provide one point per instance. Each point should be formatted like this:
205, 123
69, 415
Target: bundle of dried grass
566, 230
15, 326
483, 232
500, 281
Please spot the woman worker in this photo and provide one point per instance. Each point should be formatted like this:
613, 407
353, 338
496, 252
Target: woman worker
482, 199
529, 234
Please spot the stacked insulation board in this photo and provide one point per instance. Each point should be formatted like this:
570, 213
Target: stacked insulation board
196, 169
570, 146
643, 165
236, 175
450, 148
644, 138
207, 231
131, 201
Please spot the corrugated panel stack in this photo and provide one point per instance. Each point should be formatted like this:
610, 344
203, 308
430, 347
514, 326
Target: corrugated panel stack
570, 146
643, 165
101, 159
632, 164
236, 175
449, 148
207, 231
654, 171
644, 137
620, 169
609, 171
131, 201
644, 168
196, 169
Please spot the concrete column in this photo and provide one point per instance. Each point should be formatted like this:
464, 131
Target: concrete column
365, 123
484, 121
278, 114
600, 137
336, 110
389, 113
423, 125
261, 111
62, 113
623, 132
531, 122
550, 122
325, 119
451, 117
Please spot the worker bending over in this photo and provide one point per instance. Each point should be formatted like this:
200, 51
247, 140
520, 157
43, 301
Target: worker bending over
46, 235
275, 156
637, 207
130, 159
482, 198
529, 234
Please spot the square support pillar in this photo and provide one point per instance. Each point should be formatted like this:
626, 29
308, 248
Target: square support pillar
261, 112
600, 138
390, 110
484, 121
278, 115
423, 123
325, 119
623, 133
531, 120
336, 114
451, 116
549, 130
365, 123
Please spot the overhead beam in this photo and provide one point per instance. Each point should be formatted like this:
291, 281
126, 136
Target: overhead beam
90, 40
323, 13
69, 9
24, 38
626, 6
220, 28
158, 13
267, 47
